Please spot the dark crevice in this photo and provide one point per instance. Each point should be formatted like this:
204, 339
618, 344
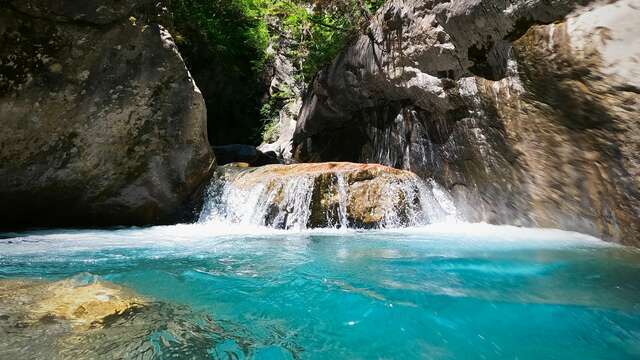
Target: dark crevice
232, 96
479, 55
232, 86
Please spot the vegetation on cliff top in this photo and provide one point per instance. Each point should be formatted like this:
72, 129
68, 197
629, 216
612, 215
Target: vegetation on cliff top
319, 29
228, 45
243, 29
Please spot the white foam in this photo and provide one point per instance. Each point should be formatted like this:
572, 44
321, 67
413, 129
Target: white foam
484, 233
210, 236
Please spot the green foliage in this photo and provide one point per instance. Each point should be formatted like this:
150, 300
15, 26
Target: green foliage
321, 28
239, 29
270, 114
271, 131
232, 29
226, 43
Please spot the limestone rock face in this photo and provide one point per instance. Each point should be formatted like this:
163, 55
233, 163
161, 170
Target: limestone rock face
322, 195
284, 95
102, 123
525, 111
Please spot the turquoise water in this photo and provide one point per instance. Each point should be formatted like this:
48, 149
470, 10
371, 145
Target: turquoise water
440, 292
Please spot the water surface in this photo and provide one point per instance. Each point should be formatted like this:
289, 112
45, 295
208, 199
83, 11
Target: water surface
454, 291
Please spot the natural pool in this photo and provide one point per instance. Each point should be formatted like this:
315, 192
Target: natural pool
456, 291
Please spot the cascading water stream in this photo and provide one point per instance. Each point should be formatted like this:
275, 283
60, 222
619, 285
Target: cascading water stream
341, 197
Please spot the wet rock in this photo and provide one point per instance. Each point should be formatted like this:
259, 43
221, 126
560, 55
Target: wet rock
522, 110
322, 195
84, 305
80, 304
85, 317
239, 153
103, 125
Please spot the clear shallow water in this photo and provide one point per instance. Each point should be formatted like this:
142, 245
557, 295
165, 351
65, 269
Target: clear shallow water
439, 292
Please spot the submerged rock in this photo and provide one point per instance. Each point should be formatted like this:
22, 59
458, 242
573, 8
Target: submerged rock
102, 122
85, 317
82, 304
525, 111
323, 195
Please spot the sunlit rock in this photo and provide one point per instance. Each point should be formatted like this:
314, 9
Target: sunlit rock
82, 304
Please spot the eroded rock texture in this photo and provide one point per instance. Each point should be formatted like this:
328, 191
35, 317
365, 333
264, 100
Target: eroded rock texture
102, 123
526, 111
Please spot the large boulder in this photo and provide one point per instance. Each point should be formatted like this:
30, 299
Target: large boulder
102, 123
323, 195
524, 110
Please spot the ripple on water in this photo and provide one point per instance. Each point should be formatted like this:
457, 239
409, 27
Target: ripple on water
444, 291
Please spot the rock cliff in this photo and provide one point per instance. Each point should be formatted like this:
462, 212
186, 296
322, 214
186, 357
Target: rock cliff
102, 123
284, 96
524, 110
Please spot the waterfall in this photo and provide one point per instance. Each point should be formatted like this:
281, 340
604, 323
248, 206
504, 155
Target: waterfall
343, 197
285, 205
339, 196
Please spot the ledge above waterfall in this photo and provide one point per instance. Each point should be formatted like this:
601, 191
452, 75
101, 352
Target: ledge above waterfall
316, 195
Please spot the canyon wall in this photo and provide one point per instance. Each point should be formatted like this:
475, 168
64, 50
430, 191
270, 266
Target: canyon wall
526, 111
102, 122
